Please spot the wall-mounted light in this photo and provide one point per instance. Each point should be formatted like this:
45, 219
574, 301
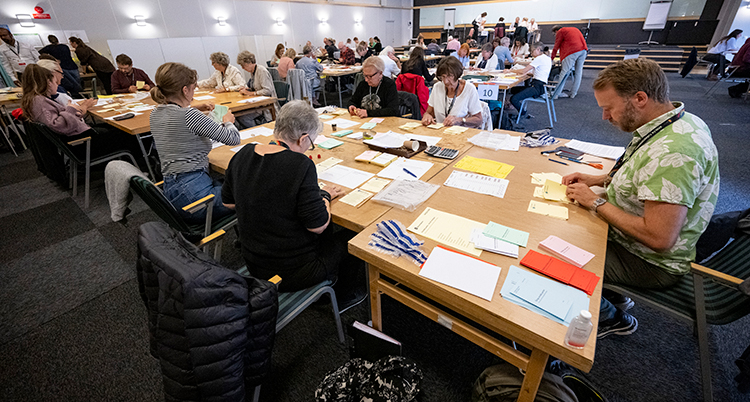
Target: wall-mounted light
358, 21
323, 20
25, 20
140, 20
222, 21
279, 21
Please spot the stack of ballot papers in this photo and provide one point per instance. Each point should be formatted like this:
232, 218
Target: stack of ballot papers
541, 178
254, 99
345, 176
484, 166
462, 272
477, 183
452, 230
376, 158
455, 130
409, 126
356, 198
330, 143
406, 194
436, 126
367, 126
604, 151
554, 300
327, 164
342, 123
504, 233
396, 140
542, 208
566, 251
375, 184
256, 131
487, 243
496, 141
341, 133
562, 271
554, 192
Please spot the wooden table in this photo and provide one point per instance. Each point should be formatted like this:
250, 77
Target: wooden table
10, 97
139, 125
339, 71
500, 86
392, 276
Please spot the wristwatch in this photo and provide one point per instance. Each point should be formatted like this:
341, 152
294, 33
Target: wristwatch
463, 119
598, 203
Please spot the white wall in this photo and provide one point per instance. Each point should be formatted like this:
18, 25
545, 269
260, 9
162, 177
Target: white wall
105, 20
558, 10
741, 20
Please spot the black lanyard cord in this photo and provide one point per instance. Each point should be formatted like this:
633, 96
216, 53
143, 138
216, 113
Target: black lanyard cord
455, 93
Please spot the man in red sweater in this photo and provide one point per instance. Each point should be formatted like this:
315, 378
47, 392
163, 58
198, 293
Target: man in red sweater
128, 79
742, 61
572, 46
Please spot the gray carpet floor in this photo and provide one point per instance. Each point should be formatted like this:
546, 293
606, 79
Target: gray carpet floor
73, 327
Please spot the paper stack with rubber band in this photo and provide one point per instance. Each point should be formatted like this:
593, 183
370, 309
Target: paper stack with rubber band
562, 271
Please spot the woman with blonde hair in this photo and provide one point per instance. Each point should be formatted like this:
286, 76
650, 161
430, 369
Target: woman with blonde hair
226, 77
183, 137
287, 62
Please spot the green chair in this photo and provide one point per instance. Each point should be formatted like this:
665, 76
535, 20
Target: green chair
79, 156
200, 234
717, 293
282, 91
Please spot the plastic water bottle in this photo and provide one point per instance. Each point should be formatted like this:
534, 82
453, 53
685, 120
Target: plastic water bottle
579, 330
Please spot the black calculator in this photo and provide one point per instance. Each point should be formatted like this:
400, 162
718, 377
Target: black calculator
445, 153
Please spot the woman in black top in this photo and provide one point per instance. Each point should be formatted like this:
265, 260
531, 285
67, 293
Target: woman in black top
378, 46
377, 95
100, 64
417, 65
282, 213
363, 53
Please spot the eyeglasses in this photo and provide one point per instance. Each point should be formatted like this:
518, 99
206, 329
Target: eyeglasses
312, 144
371, 75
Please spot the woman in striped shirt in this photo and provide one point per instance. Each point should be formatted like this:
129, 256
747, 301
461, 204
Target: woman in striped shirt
183, 135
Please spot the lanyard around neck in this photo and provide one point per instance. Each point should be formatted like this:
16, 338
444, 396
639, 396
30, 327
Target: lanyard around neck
455, 93
627, 155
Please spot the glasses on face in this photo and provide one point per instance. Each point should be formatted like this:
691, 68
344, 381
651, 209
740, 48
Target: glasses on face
312, 144
371, 75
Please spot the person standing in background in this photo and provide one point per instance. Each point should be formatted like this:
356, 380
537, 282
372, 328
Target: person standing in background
573, 50
91, 58
478, 24
71, 77
500, 28
15, 55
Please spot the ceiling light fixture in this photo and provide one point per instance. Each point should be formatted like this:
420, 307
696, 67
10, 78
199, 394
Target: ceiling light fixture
25, 20
140, 20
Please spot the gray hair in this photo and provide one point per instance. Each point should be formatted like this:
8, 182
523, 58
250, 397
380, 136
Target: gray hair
487, 47
219, 58
50, 65
387, 50
505, 41
295, 119
374, 62
536, 45
307, 50
245, 57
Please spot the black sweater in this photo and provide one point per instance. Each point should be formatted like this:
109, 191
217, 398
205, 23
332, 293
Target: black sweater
386, 102
418, 68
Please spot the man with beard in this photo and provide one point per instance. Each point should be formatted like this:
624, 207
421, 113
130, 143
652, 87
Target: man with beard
660, 194
15, 55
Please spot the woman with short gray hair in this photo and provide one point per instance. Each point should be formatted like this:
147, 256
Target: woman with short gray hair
226, 78
282, 213
259, 84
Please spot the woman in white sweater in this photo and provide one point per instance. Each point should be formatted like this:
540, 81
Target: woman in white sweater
226, 78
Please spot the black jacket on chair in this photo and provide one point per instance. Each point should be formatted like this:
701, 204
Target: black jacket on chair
211, 328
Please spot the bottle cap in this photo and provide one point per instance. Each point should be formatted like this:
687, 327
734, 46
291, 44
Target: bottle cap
586, 314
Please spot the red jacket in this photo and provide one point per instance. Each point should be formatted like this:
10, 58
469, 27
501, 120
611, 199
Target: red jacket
742, 58
568, 40
414, 84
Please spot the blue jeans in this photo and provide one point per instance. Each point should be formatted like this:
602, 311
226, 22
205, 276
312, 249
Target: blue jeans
72, 82
536, 88
574, 60
185, 188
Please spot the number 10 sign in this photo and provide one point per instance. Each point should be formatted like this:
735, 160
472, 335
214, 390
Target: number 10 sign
487, 92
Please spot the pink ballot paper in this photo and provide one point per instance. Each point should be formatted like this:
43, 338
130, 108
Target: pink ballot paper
566, 251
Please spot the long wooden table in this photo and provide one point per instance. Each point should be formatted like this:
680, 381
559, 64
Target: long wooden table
10, 97
338, 71
478, 320
139, 125
399, 278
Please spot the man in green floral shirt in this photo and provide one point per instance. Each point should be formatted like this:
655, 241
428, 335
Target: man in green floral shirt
662, 192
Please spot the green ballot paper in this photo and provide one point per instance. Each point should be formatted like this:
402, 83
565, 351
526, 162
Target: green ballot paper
218, 113
330, 143
504, 233
341, 133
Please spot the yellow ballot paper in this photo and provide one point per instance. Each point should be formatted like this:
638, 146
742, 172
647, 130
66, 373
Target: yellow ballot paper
409, 126
375, 184
555, 191
339, 112
484, 166
541, 178
436, 126
539, 192
140, 84
356, 198
548, 210
446, 228
455, 130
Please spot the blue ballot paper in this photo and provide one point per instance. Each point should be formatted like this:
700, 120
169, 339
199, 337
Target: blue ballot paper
519, 277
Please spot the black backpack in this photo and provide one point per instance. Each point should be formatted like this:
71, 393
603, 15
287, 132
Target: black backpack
502, 383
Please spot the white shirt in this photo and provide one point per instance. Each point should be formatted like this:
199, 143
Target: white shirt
480, 21
542, 65
467, 102
491, 63
15, 58
391, 69
232, 80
